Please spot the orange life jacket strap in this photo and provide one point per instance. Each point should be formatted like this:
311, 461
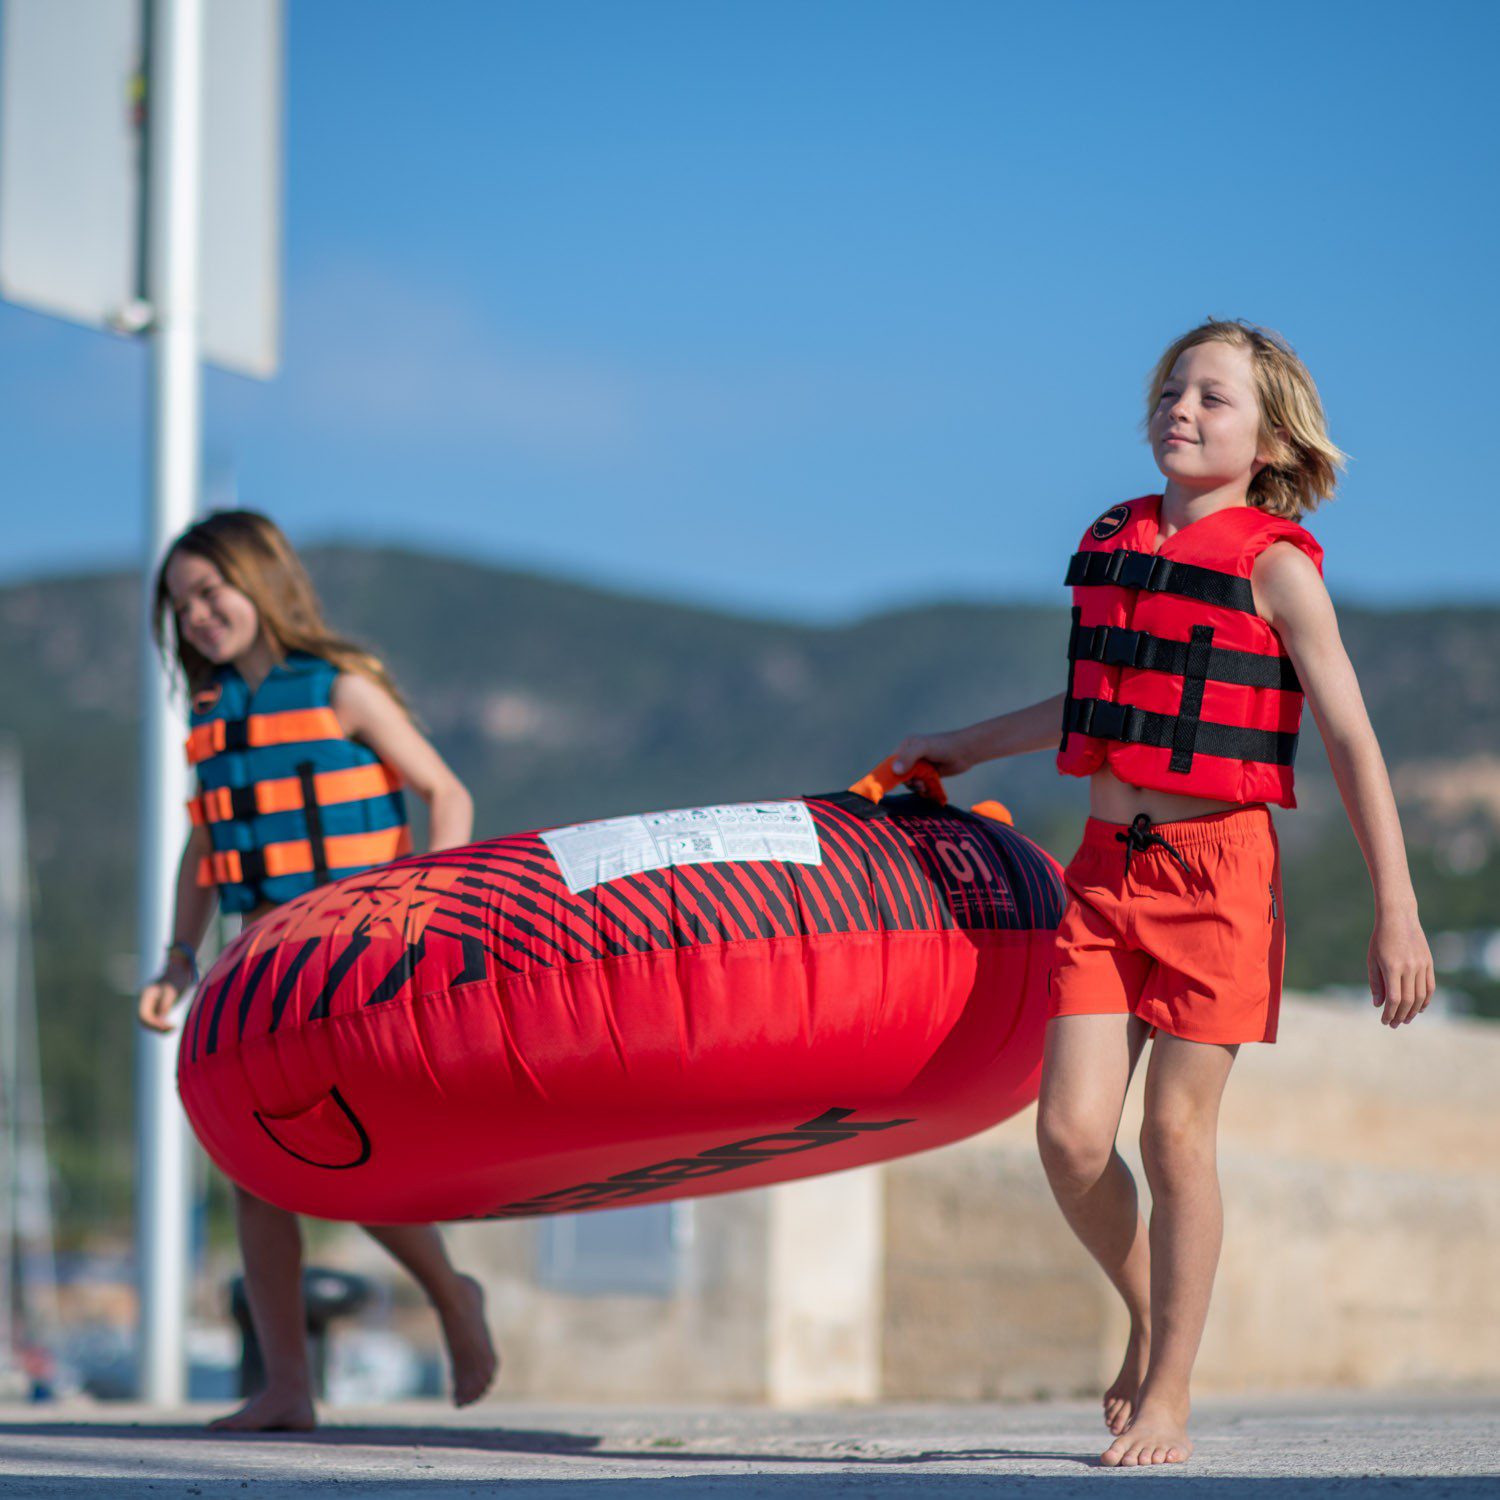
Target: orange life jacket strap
259, 730
344, 852
353, 784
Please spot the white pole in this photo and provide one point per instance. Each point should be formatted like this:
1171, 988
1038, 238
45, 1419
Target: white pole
12, 874
174, 111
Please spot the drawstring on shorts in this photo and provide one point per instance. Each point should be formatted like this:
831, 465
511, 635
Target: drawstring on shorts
1141, 836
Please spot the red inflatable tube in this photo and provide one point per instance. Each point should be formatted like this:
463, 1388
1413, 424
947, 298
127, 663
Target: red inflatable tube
629, 1011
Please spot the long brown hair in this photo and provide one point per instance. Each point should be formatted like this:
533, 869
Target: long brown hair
253, 555
1304, 464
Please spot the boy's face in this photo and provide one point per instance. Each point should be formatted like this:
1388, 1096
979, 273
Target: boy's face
1205, 431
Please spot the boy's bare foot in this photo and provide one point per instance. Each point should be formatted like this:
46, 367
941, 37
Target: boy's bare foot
1158, 1435
470, 1349
271, 1411
1119, 1399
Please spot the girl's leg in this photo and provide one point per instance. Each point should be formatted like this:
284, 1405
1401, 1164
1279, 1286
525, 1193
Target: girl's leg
1184, 1085
457, 1299
1086, 1070
271, 1244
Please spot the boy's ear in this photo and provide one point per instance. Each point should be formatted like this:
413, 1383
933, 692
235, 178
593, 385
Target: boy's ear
1282, 436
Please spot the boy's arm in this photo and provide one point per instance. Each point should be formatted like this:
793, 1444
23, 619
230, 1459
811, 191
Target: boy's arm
1035, 727
1292, 598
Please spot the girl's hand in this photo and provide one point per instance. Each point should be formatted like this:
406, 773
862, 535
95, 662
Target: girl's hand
1401, 973
947, 754
158, 997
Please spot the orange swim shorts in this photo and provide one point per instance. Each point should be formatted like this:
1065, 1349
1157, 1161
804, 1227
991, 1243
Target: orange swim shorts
1190, 937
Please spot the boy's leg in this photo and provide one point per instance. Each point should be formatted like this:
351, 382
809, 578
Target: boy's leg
1086, 1070
1184, 1085
457, 1299
271, 1243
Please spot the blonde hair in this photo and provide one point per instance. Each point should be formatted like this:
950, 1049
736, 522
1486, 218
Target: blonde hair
1302, 468
254, 556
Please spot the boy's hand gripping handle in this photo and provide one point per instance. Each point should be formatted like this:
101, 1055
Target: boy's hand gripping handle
884, 779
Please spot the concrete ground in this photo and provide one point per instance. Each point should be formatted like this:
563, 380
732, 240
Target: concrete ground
1427, 1444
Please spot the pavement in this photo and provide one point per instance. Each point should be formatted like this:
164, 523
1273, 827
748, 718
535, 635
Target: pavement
1424, 1444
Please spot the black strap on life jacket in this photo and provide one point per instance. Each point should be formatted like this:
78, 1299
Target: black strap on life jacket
1115, 646
1155, 574
307, 775
1074, 635
1185, 731
1139, 726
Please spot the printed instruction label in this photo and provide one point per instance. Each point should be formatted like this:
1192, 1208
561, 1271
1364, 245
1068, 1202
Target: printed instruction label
588, 854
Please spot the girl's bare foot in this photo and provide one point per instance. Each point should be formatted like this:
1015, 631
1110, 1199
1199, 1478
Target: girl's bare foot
1157, 1435
272, 1410
470, 1350
1120, 1398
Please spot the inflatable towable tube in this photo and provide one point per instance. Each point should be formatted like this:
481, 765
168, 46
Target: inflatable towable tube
631, 1010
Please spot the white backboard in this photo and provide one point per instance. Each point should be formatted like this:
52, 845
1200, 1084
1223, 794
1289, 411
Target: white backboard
71, 152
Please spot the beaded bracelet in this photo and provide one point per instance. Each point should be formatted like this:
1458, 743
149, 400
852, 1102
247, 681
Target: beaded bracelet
189, 953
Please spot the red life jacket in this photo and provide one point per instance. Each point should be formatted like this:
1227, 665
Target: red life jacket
1174, 681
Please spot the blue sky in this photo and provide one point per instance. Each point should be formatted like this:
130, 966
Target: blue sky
809, 307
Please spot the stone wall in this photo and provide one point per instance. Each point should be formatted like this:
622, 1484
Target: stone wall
1361, 1175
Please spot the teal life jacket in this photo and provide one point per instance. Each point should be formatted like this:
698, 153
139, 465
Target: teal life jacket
289, 800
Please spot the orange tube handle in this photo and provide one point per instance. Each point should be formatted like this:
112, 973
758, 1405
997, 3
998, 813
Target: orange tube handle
884, 779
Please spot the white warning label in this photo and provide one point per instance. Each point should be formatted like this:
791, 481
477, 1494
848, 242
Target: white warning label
588, 854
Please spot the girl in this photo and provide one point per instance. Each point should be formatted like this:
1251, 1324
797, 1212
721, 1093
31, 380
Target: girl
313, 794
1200, 620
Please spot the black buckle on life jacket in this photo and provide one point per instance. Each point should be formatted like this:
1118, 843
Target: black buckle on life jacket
1111, 644
236, 734
1103, 720
242, 803
252, 868
1135, 570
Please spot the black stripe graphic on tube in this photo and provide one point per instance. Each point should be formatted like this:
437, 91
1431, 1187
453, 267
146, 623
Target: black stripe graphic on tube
637, 917
289, 980
1030, 878
475, 968
834, 876
852, 869
399, 974
869, 866
733, 876
778, 905
667, 910
498, 897
545, 885
781, 882
889, 856
474, 949
211, 1043
990, 846
707, 892
516, 902
337, 973
516, 928
843, 882
252, 984
705, 925
550, 882
807, 895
